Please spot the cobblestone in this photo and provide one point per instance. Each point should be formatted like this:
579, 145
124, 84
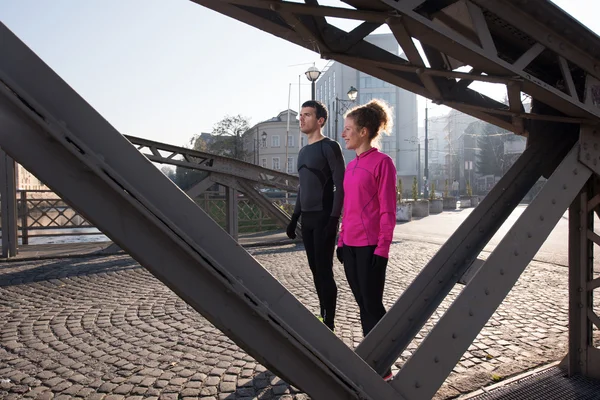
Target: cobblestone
104, 328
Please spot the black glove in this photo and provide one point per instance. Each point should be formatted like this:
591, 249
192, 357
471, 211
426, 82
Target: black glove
378, 262
291, 228
339, 252
331, 227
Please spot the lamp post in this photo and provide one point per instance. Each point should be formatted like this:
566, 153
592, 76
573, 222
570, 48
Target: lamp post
312, 74
425, 176
352, 94
425, 189
260, 143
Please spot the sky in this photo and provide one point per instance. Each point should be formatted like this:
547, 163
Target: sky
166, 70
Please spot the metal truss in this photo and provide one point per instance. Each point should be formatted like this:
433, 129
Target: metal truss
530, 47
55, 134
188, 158
452, 335
234, 174
584, 356
50, 130
384, 344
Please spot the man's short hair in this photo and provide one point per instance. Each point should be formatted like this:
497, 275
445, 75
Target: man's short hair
320, 109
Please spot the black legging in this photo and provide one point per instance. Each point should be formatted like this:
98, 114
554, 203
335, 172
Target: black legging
366, 282
319, 251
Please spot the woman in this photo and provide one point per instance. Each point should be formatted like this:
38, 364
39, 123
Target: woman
369, 214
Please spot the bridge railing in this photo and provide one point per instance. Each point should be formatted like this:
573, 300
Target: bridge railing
42, 213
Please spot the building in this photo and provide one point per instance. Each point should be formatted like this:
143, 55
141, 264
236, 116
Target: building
332, 88
25, 180
265, 143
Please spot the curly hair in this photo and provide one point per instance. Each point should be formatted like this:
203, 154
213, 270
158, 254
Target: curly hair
376, 116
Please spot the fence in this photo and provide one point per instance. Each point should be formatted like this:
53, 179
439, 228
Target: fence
41, 213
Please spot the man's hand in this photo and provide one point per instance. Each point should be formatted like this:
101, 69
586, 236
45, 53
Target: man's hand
331, 227
339, 252
378, 262
291, 228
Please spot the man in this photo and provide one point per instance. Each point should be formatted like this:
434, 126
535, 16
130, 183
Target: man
321, 167
455, 188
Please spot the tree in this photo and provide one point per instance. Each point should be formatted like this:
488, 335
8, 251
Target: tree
399, 194
227, 137
414, 189
184, 177
168, 171
491, 159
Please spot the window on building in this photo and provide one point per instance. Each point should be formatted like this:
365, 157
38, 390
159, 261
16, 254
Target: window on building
334, 87
275, 141
276, 163
302, 141
290, 141
263, 163
291, 168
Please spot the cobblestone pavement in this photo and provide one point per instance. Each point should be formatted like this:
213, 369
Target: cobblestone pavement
104, 328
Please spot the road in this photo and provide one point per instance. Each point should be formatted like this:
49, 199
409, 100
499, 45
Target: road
436, 229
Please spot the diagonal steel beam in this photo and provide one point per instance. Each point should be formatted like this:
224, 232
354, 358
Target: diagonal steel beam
357, 35
405, 41
264, 203
200, 187
54, 133
481, 27
452, 335
8, 204
403, 321
214, 163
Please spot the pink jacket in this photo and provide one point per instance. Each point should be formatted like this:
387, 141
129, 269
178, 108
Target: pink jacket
369, 214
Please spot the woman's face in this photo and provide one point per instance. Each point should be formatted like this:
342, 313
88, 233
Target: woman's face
353, 135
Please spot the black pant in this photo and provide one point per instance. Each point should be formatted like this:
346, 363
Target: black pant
319, 251
366, 282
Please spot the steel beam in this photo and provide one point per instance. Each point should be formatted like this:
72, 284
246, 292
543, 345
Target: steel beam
56, 135
8, 201
231, 211
194, 159
452, 335
483, 32
200, 187
580, 267
403, 321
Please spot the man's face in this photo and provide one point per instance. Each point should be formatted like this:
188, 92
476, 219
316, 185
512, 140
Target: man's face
308, 120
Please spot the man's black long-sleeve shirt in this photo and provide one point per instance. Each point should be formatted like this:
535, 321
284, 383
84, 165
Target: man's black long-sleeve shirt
321, 166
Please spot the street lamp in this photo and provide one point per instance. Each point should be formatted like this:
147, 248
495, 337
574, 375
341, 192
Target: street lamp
260, 143
312, 74
352, 95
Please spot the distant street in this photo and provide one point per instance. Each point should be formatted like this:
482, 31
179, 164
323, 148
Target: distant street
438, 228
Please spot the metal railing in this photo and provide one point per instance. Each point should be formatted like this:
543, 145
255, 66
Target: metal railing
41, 213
